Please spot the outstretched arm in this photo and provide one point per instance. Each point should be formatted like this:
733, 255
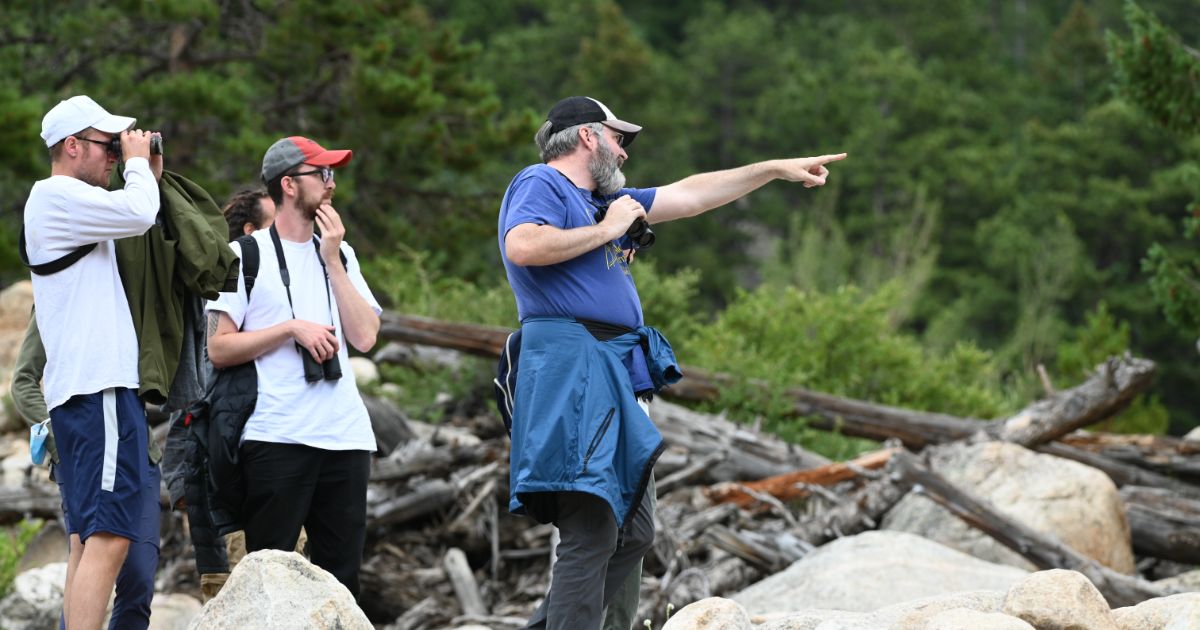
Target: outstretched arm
700, 193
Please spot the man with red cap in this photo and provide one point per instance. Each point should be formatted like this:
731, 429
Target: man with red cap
305, 450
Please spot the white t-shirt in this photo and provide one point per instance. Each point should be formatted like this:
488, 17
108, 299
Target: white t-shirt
325, 414
82, 312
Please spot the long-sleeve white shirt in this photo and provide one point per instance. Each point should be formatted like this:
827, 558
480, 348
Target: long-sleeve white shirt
82, 312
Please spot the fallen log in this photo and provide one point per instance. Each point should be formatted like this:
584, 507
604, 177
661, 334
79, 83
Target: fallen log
855, 514
1162, 524
1121, 473
462, 578
432, 496
1109, 390
1165, 454
29, 502
736, 452
790, 486
1043, 550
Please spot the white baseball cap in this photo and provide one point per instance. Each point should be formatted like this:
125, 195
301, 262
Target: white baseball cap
77, 113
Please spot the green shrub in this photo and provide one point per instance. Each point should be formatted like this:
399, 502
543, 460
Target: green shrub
843, 343
12, 548
1101, 336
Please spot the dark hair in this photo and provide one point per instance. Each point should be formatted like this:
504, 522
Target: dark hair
243, 207
275, 189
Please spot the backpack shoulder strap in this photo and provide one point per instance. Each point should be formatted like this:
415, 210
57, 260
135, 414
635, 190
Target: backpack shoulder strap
56, 265
249, 261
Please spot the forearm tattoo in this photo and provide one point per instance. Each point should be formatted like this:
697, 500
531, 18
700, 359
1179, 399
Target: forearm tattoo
213, 318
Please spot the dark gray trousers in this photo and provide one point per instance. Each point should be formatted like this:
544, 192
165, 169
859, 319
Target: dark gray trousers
594, 558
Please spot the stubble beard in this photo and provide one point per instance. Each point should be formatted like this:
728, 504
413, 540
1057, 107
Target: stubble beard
95, 177
605, 170
307, 205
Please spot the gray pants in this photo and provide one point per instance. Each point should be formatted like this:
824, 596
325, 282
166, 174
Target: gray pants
594, 560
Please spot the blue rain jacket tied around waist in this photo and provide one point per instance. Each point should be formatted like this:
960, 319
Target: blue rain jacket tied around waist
577, 426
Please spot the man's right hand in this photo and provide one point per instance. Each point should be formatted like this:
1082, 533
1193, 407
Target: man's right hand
621, 214
135, 143
318, 339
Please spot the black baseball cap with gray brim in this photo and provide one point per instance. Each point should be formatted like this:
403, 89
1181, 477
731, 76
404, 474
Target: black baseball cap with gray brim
578, 110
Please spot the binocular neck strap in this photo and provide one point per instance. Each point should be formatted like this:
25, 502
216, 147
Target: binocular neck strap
287, 279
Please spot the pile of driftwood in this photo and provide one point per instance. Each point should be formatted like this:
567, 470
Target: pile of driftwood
734, 504
729, 510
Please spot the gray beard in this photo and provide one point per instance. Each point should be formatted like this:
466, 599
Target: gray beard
605, 171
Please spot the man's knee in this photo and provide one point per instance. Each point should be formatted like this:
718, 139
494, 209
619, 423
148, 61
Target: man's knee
107, 546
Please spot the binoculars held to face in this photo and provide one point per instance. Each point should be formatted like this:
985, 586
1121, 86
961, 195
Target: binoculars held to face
314, 370
639, 231
156, 145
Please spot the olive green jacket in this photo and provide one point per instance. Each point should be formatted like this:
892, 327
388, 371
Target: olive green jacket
185, 253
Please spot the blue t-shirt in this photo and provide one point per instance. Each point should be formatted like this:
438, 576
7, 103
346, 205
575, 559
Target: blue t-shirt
596, 285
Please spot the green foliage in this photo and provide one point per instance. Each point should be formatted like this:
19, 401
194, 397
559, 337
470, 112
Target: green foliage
404, 281
1157, 71
1175, 278
428, 392
1101, 336
12, 548
843, 343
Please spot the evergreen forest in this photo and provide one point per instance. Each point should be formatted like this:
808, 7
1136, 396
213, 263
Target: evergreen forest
1022, 186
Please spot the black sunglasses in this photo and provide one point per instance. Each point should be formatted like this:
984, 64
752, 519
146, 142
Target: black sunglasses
110, 146
325, 171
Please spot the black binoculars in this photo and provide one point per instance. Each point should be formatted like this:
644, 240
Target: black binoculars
114, 147
314, 370
639, 231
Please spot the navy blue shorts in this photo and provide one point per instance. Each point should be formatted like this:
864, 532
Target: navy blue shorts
103, 468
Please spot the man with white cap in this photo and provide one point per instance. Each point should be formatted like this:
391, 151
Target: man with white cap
305, 450
91, 375
583, 446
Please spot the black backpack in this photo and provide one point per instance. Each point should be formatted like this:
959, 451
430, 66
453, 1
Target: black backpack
215, 423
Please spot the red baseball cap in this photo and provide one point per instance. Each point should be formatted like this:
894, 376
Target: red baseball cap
296, 150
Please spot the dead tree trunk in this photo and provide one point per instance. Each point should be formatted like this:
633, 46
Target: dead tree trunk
791, 486
1107, 392
1163, 525
1121, 473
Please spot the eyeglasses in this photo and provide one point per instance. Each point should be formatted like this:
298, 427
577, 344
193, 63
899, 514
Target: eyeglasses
325, 171
109, 146
617, 136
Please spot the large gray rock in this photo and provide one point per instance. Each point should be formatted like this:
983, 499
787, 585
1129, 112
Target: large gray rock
713, 613
873, 570
1059, 600
280, 589
35, 600
1174, 611
961, 618
914, 615
1076, 503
